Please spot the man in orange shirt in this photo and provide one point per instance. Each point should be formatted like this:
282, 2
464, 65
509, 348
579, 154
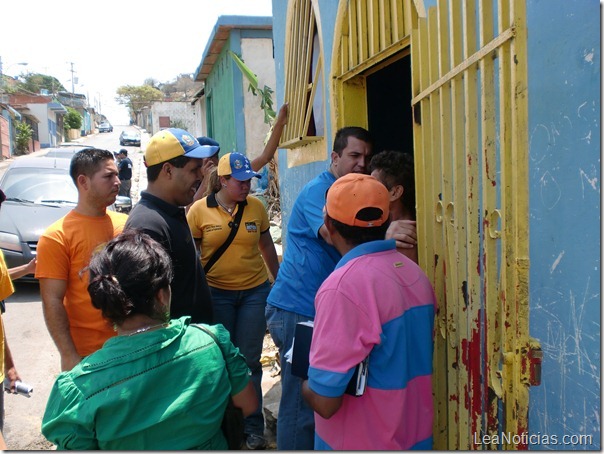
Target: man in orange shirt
64, 250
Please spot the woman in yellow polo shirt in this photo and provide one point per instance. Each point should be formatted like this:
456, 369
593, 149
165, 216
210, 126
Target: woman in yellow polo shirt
238, 279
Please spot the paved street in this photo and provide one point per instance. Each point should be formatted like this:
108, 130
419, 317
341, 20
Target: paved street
37, 361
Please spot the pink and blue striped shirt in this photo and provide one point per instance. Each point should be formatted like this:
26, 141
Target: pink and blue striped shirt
379, 303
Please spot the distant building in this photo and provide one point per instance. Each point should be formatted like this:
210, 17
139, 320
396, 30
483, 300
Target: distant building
233, 115
79, 102
8, 122
48, 111
170, 114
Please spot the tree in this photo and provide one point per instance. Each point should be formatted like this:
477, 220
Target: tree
178, 123
22, 138
152, 82
137, 97
184, 84
73, 119
35, 82
168, 88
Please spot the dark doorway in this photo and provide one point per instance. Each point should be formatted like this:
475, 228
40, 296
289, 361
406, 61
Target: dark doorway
389, 106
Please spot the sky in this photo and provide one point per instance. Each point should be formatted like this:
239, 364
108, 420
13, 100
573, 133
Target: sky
112, 42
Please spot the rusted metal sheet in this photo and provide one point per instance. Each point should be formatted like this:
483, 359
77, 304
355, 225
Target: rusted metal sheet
469, 78
469, 60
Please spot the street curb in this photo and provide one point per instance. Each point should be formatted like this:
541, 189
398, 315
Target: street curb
4, 163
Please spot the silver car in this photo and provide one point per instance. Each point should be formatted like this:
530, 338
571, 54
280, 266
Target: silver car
105, 127
132, 138
38, 191
64, 151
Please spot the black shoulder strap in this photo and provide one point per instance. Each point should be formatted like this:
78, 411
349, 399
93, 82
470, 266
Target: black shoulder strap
212, 335
234, 227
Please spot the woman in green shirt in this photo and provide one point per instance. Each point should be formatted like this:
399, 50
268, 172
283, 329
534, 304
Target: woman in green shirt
159, 384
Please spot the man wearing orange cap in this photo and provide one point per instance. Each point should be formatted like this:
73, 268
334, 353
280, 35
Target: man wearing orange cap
173, 158
307, 261
376, 305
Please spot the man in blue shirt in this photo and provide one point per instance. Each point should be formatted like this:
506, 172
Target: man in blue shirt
307, 261
124, 167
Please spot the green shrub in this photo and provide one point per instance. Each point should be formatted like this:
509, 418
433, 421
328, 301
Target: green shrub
73, 119
180, 124
23, 137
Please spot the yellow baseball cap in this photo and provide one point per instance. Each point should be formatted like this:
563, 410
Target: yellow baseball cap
171, 143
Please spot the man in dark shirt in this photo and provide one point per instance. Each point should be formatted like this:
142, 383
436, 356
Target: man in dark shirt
173, 158
124, 167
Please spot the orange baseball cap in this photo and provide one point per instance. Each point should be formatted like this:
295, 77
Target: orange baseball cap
354, 192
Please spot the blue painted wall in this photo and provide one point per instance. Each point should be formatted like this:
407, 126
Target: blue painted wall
52, 135
297, 177
86, 123
564, 197
564, 130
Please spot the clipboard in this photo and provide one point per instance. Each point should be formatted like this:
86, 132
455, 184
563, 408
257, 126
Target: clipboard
301, 360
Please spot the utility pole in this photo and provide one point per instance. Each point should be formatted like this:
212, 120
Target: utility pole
72, 71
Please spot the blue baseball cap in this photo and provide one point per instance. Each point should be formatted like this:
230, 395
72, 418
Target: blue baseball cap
236, 165
171, 143
210, 146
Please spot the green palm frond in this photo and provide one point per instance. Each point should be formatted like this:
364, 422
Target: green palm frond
246, 71
266, 99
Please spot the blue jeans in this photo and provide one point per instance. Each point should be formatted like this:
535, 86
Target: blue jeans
241, 312
296, 420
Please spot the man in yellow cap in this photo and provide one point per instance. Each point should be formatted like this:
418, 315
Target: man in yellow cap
173, 158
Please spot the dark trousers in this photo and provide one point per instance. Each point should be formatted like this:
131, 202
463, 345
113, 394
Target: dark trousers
125, 186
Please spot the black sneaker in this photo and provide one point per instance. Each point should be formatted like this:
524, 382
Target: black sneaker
254, 442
